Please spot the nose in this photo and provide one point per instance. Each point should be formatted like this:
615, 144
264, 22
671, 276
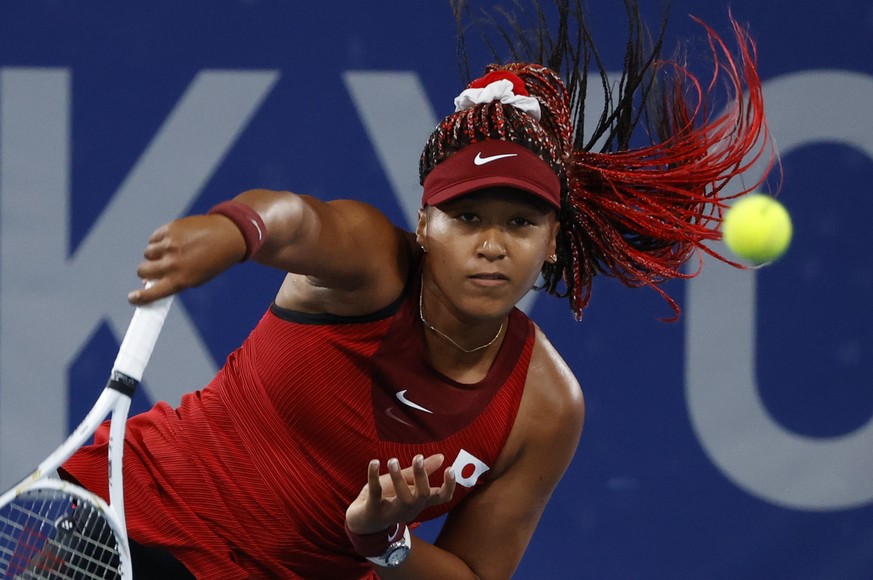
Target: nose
491, 244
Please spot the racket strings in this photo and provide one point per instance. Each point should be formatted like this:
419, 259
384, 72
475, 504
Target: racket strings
48, 534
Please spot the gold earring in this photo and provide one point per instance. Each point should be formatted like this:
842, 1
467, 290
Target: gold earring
553, 258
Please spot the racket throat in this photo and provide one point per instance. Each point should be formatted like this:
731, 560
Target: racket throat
122, 383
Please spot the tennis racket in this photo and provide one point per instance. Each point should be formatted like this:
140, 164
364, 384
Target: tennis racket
52, 529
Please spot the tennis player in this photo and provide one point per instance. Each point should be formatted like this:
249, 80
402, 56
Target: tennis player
393, 380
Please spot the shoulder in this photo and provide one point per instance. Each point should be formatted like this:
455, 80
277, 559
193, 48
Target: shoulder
552, 394
551, 413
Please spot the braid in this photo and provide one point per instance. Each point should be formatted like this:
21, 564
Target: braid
548, 88
635, 214
489, 121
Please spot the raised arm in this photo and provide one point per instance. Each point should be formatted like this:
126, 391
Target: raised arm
342, 246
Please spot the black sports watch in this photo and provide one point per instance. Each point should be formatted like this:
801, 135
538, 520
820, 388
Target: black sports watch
396, 553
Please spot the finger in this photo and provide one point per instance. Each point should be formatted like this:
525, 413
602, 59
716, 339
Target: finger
159, 289
433, 462
420, 475
154, 269
447, 489
158, 234
399, 479
155, 249
374, 495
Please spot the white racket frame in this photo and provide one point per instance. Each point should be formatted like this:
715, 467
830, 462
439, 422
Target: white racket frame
133, 356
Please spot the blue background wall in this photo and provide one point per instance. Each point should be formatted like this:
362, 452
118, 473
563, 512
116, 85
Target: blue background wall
736, 443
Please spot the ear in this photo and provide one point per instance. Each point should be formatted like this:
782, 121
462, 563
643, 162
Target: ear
553, 243
421, 228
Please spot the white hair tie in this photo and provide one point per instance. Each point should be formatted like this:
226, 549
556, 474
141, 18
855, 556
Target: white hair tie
501, 89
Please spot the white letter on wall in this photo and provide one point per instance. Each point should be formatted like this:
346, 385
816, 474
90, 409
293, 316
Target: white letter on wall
51, 302
755, 452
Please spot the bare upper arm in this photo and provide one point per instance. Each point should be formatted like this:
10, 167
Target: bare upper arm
491, 529
343, 257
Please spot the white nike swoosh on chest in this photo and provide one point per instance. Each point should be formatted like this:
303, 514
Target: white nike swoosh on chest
401, 396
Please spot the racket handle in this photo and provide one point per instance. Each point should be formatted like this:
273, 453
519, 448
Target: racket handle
139, 341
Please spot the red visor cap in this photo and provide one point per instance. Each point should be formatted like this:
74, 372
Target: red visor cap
491, 163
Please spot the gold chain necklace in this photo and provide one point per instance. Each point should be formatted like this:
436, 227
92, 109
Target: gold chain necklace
445, 336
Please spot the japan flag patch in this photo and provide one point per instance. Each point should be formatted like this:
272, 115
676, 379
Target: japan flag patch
468, 468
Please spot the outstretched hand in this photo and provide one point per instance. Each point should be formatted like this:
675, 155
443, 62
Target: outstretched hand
399, 495
185, 253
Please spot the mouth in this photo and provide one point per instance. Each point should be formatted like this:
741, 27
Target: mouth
488, 278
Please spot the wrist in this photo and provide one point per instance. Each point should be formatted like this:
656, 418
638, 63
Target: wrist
388, 548
248, 222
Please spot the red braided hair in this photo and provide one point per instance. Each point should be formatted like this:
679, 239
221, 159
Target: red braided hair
639, 214
636, 214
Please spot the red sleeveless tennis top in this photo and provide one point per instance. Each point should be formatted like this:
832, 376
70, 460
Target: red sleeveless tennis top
251, 476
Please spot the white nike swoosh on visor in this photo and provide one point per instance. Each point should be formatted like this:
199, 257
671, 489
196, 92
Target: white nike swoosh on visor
401, 396
479, 160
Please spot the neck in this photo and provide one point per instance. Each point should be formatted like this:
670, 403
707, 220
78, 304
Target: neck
467, 349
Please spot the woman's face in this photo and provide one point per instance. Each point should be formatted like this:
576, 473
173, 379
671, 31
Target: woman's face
485, 250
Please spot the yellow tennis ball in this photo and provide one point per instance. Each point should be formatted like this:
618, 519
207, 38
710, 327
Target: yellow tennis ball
757, 228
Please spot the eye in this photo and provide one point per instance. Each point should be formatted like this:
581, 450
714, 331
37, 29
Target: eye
467, 217
521, 221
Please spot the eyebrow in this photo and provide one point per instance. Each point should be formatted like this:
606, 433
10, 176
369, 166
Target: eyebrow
520, 197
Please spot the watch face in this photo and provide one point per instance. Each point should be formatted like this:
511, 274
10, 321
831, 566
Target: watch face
397, 556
